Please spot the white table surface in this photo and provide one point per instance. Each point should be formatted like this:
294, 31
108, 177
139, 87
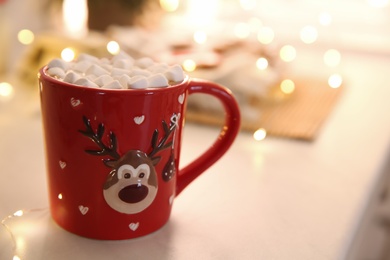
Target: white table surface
274, 199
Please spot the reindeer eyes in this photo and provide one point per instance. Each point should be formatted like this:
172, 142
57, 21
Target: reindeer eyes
127, 171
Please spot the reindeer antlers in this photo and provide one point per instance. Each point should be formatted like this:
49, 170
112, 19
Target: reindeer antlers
157, 147
97, 138
111, 149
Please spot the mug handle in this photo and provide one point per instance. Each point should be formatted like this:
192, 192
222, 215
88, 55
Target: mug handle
225, 138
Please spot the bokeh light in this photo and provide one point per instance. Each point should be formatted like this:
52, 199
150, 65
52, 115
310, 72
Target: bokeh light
200, 37
169, 5
6, 90
265, 35
25, 36
378, 3
332, 58
287, 53
189, 65
325, 19
248, 4
262, 63
335, 81
287, 86
242, 30
67, 54
113, 47
309, 34
260, 134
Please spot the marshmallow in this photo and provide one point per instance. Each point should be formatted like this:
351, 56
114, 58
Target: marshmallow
58, 63
122, 56
82, 66
103, 80
124, 80
87, 57
123, 64
91, 77
138, 71
138, 82
85, 83
56, 72
96, 70
113, 85
158, 68
104, 61
175, 73
144, 62
107, 67
71, 77
119, 72
157, 81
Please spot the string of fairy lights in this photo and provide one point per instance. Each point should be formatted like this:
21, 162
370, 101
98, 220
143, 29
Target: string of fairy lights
14, 240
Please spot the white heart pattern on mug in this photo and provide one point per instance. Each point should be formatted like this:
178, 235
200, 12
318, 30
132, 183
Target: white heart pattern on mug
134, 226
75, 102
181, 98
62, 164
83, 209
139, 119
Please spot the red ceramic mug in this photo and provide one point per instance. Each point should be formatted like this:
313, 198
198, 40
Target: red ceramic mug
112, 156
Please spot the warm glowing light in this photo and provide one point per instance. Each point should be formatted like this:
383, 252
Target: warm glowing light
18, 213
255, 23
200, 37
262, 63
309, 34
189, 65
169, 5
260, 134
60, 196
6, 89
265, 35
287, 86
325, 18
201, 13
287, 53
67, 54
75, 14
332, 58
113, 47
15, 257
335, 81
25, 36
248, 4
242, 30
378, 3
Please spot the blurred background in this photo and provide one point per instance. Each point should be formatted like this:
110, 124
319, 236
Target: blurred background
285, 60
269, 53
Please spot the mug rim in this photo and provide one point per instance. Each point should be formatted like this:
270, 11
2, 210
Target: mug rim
42, 73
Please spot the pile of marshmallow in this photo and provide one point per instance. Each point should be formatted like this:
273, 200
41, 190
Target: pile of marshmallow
119, 72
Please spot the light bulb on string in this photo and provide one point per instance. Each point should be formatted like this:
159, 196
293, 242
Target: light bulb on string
325, 19
308, 34
332, 58
260, 134
17, 242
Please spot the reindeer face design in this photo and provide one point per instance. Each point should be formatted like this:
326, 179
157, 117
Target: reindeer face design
133, 181
132, 184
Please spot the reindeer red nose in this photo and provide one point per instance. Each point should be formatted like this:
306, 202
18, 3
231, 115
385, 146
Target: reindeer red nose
133, 193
